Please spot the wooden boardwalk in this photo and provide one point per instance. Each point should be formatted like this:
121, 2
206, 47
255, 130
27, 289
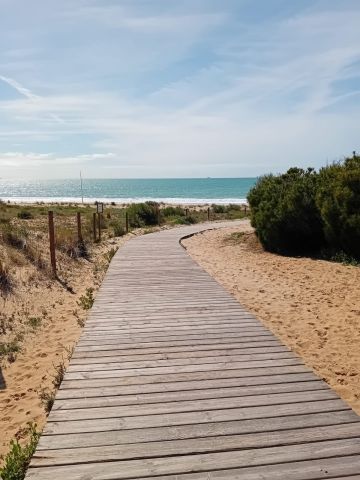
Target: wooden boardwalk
173, 379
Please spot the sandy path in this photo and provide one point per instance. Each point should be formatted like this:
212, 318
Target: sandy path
312, 305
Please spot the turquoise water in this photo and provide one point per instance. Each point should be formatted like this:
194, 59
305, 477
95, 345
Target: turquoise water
189, 190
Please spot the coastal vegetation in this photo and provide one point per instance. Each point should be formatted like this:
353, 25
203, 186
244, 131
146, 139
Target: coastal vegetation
19, 456
310, 212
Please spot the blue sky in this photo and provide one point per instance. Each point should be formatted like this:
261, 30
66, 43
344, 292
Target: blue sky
176, 88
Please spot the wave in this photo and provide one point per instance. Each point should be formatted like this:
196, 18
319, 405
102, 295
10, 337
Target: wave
88, 200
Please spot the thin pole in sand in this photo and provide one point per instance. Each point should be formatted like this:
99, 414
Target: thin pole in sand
52, 241
94, 226
127, 221
99, 225
78, 221
208, 213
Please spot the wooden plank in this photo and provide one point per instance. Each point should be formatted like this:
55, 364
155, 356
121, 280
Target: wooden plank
199, 445
130, 372
247, 383
179, 345
183, 418
116, 395
119, 411
202, 462
116, 365
305, 470
116, 357
184, 377
265, 425
191, 350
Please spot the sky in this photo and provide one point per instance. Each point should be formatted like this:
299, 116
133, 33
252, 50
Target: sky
176, 88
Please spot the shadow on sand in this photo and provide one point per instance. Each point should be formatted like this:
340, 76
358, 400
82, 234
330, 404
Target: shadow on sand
2, 380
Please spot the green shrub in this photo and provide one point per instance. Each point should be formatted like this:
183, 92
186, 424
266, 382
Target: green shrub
173, 212
25, 215
218, 208
189, 220
47, 398
34, 322
284, 212
142, 214
9, 349
66, 241
86, 301
338, 199
14, 236
118, 228
18, 458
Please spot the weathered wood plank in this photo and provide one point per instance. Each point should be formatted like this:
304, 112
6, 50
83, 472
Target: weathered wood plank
120, 411
184, 377
199, 445
116, 395
130, 372
203, 462
115, 365
198, 430
183, 418
247, 383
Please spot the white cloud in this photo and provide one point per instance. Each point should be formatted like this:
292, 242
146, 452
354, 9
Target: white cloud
185, 91
20, 159
34, 101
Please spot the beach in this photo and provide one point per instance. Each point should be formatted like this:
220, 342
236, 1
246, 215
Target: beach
313, 306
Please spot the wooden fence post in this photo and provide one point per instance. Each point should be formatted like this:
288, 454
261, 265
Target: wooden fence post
94, 226
99, 225
186, 212
127, 221
78, 221
52, 241
245, 210
208, 213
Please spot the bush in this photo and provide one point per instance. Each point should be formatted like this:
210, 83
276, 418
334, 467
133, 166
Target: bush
338, 199
25, 215
142, 214
118, 228
14, 236
189, 220
67, 242
18, 459
173, 212
218, 208
87, 301
284, 212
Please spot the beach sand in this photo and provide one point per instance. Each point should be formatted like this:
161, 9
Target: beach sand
313, 306
45, 320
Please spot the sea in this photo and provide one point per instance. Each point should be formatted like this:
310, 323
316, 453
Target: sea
167, 190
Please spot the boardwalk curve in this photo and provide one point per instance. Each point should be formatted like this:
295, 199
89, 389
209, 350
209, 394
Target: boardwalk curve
173, 379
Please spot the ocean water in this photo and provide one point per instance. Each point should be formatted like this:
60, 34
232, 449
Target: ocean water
189, 190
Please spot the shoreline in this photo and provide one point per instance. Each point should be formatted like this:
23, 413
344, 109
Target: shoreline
186, 202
